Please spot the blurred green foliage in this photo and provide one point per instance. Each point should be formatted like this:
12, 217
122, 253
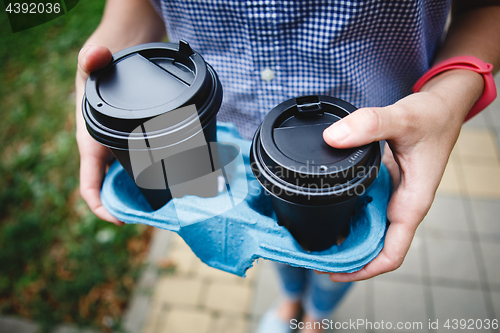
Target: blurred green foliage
58, 262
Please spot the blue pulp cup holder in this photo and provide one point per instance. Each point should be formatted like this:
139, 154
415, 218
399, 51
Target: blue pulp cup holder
231, 239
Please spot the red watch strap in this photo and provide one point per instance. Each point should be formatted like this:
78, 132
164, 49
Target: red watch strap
470, 63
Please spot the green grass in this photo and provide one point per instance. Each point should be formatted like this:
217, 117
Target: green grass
58, 262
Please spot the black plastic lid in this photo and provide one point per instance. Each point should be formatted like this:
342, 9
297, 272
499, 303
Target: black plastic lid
290, 156
145, 81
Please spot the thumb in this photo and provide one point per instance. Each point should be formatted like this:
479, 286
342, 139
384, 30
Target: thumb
363, 127
93, 57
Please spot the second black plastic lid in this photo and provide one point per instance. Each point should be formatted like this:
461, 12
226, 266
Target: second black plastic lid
290, 152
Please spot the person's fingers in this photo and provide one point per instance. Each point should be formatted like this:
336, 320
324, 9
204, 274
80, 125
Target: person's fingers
396, 245
93, 57
92, 168
91, 177
407, 208
363, 127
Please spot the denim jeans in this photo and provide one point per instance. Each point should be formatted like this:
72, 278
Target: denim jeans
318, 293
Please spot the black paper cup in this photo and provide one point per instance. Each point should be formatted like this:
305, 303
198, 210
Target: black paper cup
153, 102
314, 187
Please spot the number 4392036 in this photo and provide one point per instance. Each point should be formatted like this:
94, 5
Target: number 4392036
470, 324
33, 8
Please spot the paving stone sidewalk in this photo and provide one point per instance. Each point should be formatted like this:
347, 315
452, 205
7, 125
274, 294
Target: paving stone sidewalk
198, 298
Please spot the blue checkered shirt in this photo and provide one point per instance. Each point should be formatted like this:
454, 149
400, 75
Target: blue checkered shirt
368, 53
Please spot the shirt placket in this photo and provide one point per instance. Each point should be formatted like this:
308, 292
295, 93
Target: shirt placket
263, 23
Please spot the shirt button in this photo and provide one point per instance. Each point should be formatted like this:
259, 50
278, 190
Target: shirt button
267, 74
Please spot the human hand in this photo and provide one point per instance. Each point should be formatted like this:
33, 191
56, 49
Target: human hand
421, 130
94, 157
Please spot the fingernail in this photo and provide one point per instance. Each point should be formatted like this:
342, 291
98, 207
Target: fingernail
338, 132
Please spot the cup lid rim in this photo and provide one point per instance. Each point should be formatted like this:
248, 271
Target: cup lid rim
286, 110
181, 51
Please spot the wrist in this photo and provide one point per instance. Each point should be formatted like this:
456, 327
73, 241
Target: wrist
469, 63
459, 89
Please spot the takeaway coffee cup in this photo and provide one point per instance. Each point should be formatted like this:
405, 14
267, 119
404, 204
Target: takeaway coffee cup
155, 107
313, 187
